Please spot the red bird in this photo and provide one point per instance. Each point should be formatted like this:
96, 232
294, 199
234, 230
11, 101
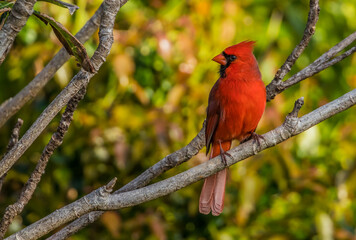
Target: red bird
236, 104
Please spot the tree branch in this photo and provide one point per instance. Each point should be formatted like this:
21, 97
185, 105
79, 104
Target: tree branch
291, 127
57, 138
274, 88
79, 81
13, 105
309, 31
86, 202
168, 162
19, 14
148, 175
324, 61
14, 138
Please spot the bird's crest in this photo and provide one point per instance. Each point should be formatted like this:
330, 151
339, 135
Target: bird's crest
245, 47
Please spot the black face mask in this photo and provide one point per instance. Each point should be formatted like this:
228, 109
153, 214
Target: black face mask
229, 59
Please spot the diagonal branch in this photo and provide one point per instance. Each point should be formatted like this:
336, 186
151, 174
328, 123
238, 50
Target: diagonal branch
168, 162
19, 14
324, 61
291, 127
13, 105
79, 81
309, 31
86, 202
57, 138
320, 64
274, 88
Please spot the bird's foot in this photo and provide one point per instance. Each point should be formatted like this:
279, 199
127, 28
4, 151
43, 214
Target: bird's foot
223, 155
256, 138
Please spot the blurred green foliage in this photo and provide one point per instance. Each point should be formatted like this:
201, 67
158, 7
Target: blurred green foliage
149, 99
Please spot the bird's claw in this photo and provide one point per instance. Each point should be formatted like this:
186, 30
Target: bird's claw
256, 138
223, 155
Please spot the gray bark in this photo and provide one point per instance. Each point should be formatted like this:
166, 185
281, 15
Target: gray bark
19, 14
98, 201
13, 105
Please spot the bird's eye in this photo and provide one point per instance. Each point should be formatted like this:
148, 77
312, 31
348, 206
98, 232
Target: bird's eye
233, 57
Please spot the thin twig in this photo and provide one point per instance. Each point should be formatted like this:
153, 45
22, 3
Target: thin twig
324, 61
291, 127
19, 14
15, 209
12, 105
309, 31
14, 138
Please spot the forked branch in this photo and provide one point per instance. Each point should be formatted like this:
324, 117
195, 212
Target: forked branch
291, 127
309, 31
324, 61
57, 138
275, 87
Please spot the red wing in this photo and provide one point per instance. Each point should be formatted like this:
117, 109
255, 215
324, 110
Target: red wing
213, 115
211, 125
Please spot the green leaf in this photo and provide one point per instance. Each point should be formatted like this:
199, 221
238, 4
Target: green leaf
72, 8
5, 8
70, 43
5, 4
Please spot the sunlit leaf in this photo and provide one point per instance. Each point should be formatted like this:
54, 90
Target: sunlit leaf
71, 43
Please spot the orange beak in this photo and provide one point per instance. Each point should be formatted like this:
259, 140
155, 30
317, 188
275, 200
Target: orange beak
220, 59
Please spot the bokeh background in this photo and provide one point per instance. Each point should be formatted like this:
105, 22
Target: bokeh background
149, 99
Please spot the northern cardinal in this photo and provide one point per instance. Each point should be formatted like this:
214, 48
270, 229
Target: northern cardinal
236, 104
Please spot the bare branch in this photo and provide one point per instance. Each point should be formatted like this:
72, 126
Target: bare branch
324, 61
13, 105
273, 89
309, 31
79, 81
19, 14
297, 106
14, 138
88, 203
148, 175
168, 162
198, 141
15, 209
291, 127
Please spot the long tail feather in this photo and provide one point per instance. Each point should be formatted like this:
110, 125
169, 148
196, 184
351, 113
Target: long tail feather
213, 192
207, 194
217, 205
